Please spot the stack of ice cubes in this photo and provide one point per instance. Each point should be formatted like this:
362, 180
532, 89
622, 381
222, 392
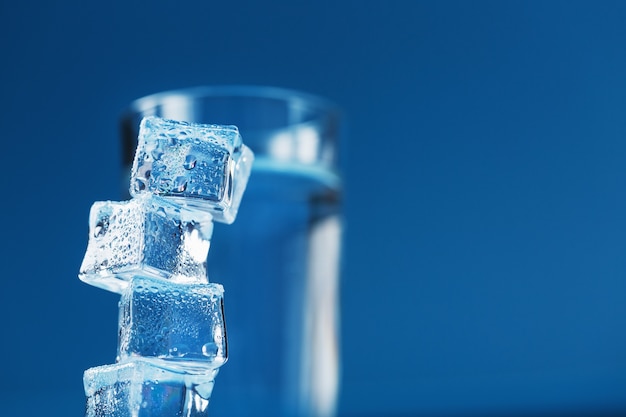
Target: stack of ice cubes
152, 250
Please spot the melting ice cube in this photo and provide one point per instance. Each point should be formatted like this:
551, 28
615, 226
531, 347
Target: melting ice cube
146, 235
182, 324
205, 166
143, 389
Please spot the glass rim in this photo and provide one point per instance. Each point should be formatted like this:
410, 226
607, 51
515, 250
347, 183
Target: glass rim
287, 95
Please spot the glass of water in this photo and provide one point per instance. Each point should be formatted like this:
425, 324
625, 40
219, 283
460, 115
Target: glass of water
279, 261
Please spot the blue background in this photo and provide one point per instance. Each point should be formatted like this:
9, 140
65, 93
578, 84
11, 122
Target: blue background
484, 268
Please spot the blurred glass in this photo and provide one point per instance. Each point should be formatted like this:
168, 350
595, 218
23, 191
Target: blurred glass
279, 261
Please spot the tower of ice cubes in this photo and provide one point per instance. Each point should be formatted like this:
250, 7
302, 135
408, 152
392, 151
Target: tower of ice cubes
152, 250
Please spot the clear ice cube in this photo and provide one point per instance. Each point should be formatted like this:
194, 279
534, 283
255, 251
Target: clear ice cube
205, 166
146, 235
182, 324
144, 389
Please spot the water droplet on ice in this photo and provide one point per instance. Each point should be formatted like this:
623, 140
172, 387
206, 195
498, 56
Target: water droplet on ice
180, 185
178, 352
210, 350
101, 227
140, 185
204, 390
190, 161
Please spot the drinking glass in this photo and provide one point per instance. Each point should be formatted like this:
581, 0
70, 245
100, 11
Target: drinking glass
279, 261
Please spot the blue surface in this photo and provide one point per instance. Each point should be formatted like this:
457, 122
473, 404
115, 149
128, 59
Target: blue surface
484, 268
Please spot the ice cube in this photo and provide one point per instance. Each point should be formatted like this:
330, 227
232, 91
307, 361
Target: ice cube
183, 324
146, 235
205, 166
143, 389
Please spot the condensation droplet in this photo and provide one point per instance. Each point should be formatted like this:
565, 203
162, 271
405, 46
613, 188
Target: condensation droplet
210, 350
190, 161
178, 352
101, 227
140, 185
180, 185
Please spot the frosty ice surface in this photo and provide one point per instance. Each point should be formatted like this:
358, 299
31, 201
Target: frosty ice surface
183, 324
143, 389
146, 235
206, 166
